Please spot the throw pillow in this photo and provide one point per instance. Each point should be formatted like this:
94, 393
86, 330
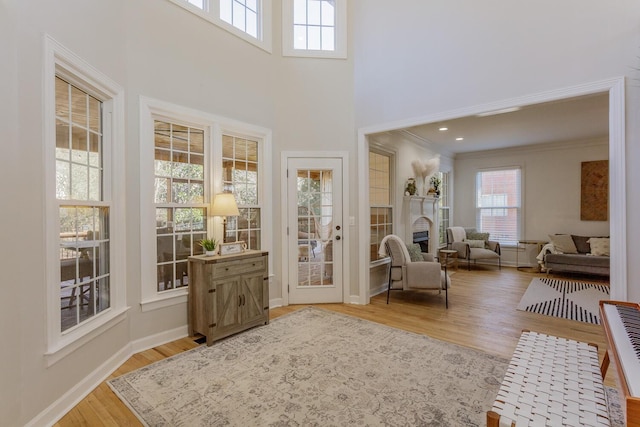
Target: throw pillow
414, 252
475, 243
563, 243
600, 246
476, 235
582, 244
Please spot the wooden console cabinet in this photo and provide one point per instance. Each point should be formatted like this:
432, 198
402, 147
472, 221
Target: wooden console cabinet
228, 294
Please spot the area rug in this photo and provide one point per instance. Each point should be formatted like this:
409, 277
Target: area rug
566, 299
318, 368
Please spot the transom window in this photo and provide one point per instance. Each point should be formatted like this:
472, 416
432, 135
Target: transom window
240, 177
248, 19
314, 24
315, 28
498, 204
179, 195
242, 14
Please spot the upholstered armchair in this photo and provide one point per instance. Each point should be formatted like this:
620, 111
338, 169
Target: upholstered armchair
405, 274
472, 245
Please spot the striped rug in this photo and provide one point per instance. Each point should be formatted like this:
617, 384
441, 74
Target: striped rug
566, 299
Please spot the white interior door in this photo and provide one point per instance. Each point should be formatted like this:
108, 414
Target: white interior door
314, 212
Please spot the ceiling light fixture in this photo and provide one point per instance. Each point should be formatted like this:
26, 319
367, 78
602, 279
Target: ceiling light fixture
459, 138
501, 111
443, 128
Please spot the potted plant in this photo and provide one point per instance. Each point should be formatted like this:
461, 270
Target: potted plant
435, 184
209, 246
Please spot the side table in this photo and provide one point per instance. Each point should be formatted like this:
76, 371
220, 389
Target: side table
539, 244
448, 258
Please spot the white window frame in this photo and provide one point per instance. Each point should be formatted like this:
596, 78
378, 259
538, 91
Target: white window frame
444, 205
215, 127
211, 13
391, 155
519, 207
60, 61
340, 51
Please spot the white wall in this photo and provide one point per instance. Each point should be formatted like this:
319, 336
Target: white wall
11, 212
551, 188
447, 56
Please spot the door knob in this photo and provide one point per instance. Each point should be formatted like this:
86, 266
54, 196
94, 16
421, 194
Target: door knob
337, 237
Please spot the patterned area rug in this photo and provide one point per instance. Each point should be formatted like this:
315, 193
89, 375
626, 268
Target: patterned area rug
566, 299
315, 367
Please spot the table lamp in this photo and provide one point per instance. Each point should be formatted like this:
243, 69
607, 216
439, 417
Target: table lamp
224, 205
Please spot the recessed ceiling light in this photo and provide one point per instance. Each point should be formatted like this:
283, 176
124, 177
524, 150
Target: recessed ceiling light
459, 138
443, 128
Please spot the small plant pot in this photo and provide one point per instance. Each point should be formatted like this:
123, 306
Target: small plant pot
211, 253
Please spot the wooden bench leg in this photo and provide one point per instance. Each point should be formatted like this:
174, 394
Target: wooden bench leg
493, 419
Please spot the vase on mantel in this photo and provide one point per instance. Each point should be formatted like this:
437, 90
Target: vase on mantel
420, 187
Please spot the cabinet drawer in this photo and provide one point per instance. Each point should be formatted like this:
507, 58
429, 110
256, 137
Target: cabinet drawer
239, 267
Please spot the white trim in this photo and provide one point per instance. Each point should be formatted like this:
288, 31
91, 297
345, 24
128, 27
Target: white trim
346, 232
165, 299
102, 323
58, 60
617, 191
340, 51
265, 25
617, 171
81, 390
215, 126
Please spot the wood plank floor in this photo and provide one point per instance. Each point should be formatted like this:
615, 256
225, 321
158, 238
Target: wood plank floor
482, 314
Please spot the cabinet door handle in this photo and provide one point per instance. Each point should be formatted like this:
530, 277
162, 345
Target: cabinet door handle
244, 299
239, 300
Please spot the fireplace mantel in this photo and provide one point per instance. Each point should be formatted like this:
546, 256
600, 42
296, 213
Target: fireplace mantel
416, 207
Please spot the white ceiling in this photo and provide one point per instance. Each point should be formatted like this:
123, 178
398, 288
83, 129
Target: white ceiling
579, 118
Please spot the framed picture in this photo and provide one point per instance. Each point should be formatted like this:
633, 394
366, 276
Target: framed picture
232, 248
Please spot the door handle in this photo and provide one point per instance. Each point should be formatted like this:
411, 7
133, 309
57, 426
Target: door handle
337, 237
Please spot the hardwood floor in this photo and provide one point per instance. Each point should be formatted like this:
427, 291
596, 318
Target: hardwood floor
482, 314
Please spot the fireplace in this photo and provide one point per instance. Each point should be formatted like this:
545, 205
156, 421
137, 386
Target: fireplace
422, 238
421, 222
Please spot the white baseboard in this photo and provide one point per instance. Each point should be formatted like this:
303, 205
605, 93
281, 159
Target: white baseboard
67, 401
276, 302
158, 339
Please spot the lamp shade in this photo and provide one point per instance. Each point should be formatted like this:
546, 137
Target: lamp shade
224, 204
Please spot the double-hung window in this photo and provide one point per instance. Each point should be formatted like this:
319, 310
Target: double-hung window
314, 28
84, 143
179, 196
188, 156
498, 204
247, 19
444, 207
240, 172
381, 207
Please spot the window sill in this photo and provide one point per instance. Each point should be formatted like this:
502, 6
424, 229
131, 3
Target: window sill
165, 299
79, 337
